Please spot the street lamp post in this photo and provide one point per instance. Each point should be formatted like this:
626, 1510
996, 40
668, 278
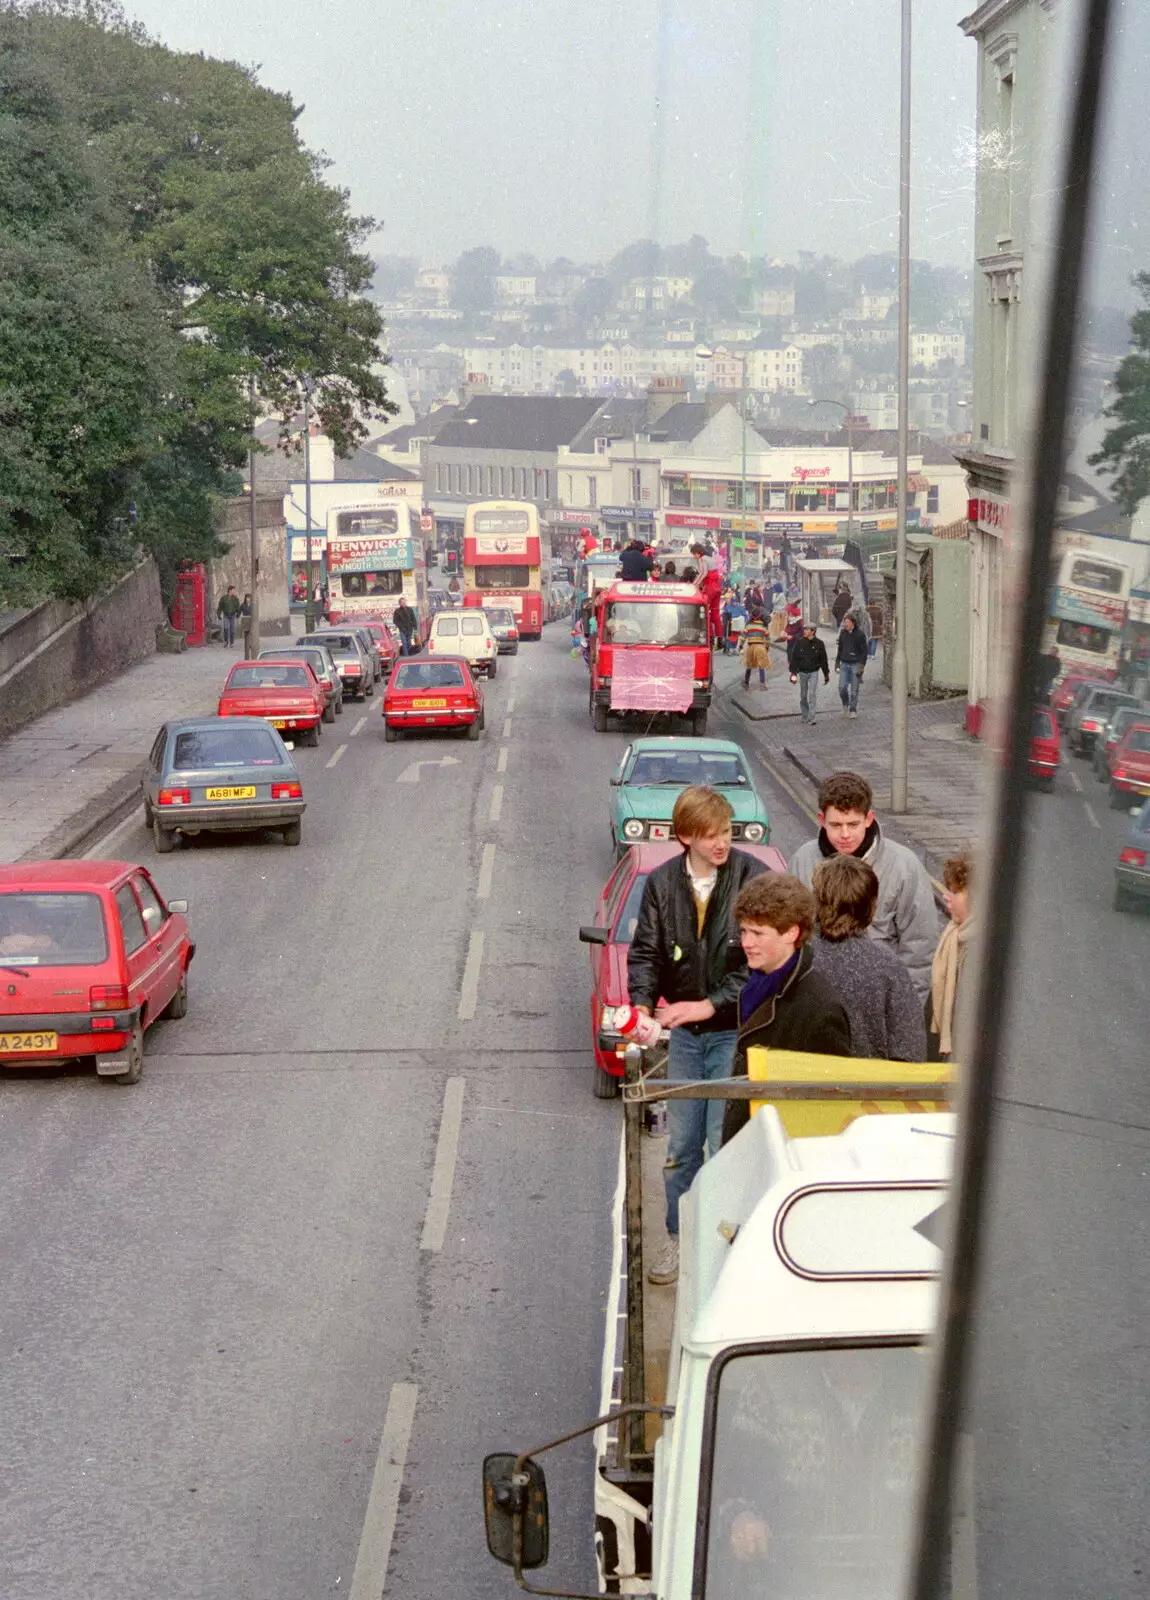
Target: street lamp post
900, 676
309, 602
849, 423
252, 636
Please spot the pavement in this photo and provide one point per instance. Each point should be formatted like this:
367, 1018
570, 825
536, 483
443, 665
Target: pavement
946, 781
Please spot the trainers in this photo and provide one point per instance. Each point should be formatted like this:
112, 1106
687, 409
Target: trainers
665, 1268
854, 713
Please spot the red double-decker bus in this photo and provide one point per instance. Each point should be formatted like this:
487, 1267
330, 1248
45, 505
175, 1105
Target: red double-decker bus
504, 562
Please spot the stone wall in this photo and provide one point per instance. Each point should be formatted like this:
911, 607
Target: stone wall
59, 650
236, 568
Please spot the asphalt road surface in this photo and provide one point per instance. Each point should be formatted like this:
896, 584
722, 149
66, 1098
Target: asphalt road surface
351, 1231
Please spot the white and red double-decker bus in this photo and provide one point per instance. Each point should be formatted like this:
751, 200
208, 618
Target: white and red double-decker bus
375, 560
504, 562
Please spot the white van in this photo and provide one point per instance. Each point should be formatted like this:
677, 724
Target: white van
466, 633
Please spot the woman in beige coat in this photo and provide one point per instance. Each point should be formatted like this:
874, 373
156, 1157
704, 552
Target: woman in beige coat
949, 959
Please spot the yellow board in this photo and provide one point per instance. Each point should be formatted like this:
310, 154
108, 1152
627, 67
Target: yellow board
822, 1115
23, 1044
247, 792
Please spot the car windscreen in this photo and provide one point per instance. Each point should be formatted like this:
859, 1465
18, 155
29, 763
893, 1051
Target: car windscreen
314, 658
51, 929
205, 749
810, 1472
429, 675
677, 769
269, 675
655, 622
498, 617
356, 585
340, 641
1042, 725
1138, 739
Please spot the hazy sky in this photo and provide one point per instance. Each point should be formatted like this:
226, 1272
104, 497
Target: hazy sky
570, 127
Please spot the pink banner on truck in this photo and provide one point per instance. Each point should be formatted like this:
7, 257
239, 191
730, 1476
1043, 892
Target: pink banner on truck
652, 680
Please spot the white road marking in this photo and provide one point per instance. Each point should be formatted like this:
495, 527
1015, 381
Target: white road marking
411, 774
486, 868
1089, 810
501, 764
510, 703
963, 1528
359, 727
102, 849
335, 758
443, 1173
1074, 778
370, 1574
506, 729
496, 802
469, 991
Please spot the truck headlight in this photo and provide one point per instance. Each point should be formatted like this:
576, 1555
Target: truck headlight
632, 828
754, 832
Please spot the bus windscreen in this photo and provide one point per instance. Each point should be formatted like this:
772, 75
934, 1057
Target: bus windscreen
502, 577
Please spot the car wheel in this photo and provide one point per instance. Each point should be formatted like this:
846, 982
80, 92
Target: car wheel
493, 666
699, 723
389, 733
599, 718
1117, 798
177, 1006
149, 815
329, 711
473, 730
293, 833
605, 1085
163, 839
310, 736
135, 1057
514, 649
1046, 783
339, 707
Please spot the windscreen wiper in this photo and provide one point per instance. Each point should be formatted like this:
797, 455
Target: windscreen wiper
19, 971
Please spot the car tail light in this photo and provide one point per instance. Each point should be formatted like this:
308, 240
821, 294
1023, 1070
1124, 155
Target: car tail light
103, 1024
287, 791
1091, 727
108, 997
1131, 857
175, 797
1119, 772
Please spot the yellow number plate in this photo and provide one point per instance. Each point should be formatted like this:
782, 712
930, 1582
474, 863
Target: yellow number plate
429, 705
248, 793
26, 1044
278, 722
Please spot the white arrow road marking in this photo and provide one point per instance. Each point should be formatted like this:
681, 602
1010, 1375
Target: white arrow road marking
411, 774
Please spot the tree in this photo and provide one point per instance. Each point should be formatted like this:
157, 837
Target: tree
1125, 450
473, 279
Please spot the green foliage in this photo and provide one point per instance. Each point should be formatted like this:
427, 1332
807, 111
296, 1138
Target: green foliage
473, 279
1125, 448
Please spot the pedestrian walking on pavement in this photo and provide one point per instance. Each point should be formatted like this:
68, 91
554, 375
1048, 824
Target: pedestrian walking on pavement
737, 625
407, 622
227, 611
756, 647
807, 657
246, 615
841, 604
786, 1002
905, 917
684, 952
949, 959
850, 661
885, 1013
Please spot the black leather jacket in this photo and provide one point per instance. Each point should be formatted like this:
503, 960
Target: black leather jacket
669, 960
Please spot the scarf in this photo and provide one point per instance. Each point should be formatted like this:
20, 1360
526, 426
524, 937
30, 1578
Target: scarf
870, 839
763, 986
944, 975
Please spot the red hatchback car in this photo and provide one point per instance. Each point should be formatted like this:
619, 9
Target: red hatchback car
610, 939
1130, 766
285, 693
90, 956
1045, 747
440, 693
385, 642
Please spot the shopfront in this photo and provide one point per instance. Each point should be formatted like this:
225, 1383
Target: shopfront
297, 565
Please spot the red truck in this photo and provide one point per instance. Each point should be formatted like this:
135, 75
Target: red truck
651, 653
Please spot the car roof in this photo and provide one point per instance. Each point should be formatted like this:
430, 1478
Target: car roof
651, 856
437, 660
26, 874
196, 724
685, 742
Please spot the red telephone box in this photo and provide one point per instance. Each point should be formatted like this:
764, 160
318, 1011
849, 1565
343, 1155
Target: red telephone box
189, 609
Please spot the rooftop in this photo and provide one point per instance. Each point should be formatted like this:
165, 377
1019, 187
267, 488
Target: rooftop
518, 422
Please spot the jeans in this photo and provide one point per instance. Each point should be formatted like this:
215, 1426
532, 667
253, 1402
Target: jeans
703, 1056
229, 627
406, 650
849, 674
808, 694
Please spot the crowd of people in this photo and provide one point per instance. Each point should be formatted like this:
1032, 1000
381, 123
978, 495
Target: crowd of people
842, 955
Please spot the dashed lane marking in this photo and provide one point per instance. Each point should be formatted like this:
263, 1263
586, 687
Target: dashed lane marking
501, 764
1076, 781
469, 990
443, 1173
370, 1573
1089, 810
486, 869
359, 727
336, 757
510, 704
506, 734
496, 802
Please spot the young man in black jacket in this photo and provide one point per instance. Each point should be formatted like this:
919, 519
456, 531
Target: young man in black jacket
685, 951
786, 1004
850, 660
635, 565
807, 657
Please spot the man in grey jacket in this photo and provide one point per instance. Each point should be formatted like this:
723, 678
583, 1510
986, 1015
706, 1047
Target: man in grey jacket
906, 917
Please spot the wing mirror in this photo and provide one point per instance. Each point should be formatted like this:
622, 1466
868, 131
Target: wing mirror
615, 780
178, 905
289, 744
515, 1511
591, 933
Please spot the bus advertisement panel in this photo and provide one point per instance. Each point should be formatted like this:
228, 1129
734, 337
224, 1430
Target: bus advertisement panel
504, 563
375, 560
1089, 600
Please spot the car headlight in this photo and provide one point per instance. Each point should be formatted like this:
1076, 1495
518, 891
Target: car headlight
632, 828
754, 832
607, 1022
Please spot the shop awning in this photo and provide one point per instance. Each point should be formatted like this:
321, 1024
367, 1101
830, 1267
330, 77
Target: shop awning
916, 483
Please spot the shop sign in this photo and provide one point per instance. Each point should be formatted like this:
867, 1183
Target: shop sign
299, 546
1094, 610
805, 474
992, 514
372, 555
678, 519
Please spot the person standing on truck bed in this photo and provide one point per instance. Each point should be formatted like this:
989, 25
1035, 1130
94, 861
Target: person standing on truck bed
635, 565
685, 950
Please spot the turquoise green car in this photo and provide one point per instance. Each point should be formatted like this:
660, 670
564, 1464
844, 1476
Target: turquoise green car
654, 772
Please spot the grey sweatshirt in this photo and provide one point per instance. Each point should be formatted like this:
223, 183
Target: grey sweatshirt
886, 1015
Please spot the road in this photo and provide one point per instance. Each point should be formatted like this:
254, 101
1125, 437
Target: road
352, 1226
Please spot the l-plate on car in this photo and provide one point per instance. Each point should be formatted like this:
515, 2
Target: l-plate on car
653, 772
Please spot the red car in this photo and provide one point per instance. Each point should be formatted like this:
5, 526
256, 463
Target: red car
385, 642
1130, 766
610, 939
90, 956
1045, 747
1063, 696
439, 693
285, 693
